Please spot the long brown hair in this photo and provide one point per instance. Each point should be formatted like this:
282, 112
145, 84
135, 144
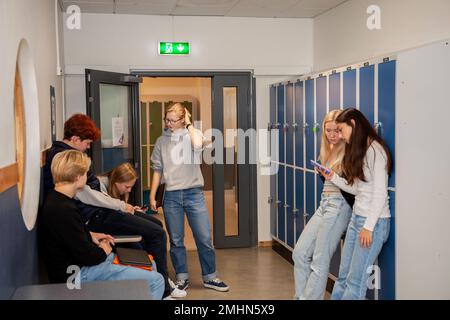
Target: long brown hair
120, 174
355, 150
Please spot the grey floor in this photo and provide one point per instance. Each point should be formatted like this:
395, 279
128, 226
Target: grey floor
251, 273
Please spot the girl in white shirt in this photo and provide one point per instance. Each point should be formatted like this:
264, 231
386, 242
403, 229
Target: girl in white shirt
365, 168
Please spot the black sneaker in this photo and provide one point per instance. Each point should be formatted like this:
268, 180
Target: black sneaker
216, 284
182, 284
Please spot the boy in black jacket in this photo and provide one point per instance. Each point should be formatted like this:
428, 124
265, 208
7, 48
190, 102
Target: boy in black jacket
65, 240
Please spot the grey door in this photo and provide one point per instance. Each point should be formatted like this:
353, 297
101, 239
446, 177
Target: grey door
234, 183
113, 104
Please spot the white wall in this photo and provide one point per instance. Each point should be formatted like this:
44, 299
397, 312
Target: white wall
273, 48
33, 21
423, 195
341, 36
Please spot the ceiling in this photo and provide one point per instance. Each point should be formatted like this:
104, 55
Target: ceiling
222, 8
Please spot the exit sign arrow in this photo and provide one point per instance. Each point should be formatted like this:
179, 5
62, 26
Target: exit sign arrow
174, 48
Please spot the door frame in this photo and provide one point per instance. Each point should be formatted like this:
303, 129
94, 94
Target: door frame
253, 187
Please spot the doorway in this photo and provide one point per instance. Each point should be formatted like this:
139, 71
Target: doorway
220, 100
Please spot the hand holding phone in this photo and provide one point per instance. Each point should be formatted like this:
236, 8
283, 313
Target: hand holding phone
324, 169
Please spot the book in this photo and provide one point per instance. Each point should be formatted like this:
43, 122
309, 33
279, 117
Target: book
134, 257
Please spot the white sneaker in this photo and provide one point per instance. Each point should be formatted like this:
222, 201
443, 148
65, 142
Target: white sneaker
168, 298
177, 293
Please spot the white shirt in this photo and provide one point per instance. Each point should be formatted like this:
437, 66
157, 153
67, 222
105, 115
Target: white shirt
371, 197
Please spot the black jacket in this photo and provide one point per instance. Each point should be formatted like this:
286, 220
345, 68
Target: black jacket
64, 239
57, 147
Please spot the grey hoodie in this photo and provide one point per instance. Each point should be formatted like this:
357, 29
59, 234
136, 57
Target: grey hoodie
177, 160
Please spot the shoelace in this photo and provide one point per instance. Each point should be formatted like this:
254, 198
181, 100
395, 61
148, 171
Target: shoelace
216, 280
180, 282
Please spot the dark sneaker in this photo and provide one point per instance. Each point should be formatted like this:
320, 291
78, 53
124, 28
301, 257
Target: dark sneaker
216, 284
182, 284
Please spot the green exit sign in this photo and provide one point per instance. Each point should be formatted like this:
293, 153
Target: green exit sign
174, 48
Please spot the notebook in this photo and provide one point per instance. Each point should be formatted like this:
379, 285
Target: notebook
128, 256
159, 197
129, 238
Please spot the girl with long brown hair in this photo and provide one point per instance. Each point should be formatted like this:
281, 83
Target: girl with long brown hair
365, 169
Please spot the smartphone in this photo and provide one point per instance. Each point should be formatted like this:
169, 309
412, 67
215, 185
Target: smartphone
327, 171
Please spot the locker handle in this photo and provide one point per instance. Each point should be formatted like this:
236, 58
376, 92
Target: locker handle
287, 206
305, 125
306, 215
316, 127
378, 127
278, 203
295, 125
270, 200
286, 127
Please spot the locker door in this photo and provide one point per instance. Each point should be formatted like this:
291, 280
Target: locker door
309, 116
299, 122
367, 92
289, 207
386, 259
289, 117
281, 216
280, 121
336, 261
335, 91
386, 108
350, 89
319, 188
321, 109
299, 203
273, 181
310, 203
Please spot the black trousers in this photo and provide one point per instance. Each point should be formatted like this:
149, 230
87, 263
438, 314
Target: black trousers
154, 238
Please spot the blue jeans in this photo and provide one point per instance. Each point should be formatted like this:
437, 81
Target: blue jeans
109, 271
356, 261
316, 246
191, 201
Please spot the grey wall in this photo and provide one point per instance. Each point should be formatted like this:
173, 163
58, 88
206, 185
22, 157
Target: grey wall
18, 247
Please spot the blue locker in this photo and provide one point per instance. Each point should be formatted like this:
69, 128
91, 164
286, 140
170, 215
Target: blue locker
367, 92
319, 187
386, 259
281, 217
299, 202
310, 203
386, 108
309, 116
290, 237
336, 261
350, 89
280, 121
321, 109
335, 91
299, 121
273, 195
289, 121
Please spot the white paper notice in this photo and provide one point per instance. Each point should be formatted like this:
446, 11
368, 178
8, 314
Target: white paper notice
117, 131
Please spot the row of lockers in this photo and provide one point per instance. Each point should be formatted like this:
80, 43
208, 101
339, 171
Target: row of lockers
297, 111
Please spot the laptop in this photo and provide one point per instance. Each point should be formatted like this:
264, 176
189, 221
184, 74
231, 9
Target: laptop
135, 257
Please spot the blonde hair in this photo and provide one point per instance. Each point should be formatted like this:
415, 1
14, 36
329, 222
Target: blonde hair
120, 174
338, 151
178, 109
68, 165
